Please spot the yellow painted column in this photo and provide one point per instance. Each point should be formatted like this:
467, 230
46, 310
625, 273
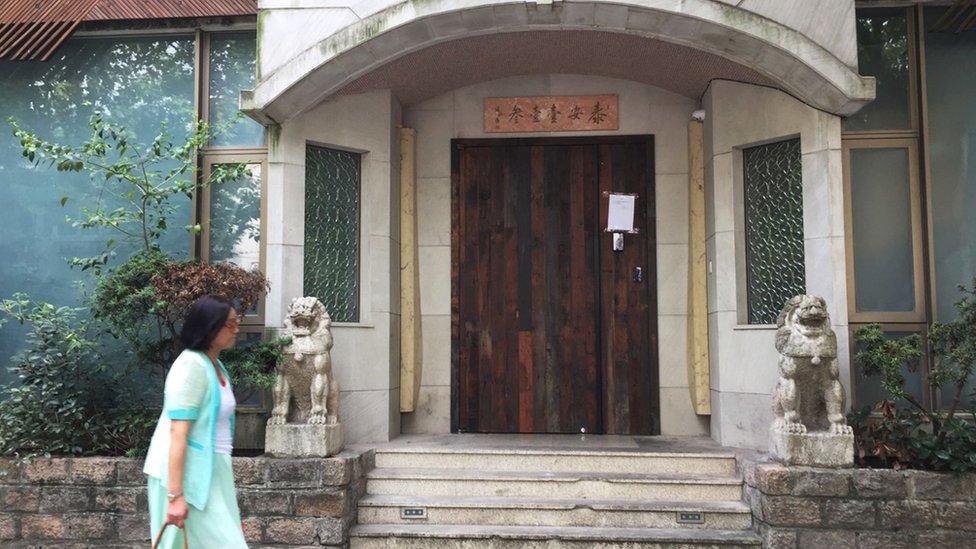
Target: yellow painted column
698, 374
410, 335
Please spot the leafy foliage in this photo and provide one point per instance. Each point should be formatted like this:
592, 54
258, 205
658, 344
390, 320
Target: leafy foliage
253, 366
144, 301
181, 283
49, 411
955, 345
142, 177
922, 436
126, 431
885, 357
883, 437
126, 297
904, 438
67, 401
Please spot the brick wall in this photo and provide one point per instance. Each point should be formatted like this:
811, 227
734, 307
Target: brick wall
805, 508
101, 502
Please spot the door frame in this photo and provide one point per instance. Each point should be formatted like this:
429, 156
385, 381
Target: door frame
457, 144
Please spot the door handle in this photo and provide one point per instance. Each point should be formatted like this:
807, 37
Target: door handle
638, 274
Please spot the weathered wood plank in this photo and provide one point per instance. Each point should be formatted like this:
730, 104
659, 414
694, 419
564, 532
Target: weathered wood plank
698, 373
411, 354
552, 333
628, 309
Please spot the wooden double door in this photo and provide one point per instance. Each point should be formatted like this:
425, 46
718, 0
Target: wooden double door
552, 330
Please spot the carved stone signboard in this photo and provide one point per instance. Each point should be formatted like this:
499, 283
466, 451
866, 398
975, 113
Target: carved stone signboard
551, 113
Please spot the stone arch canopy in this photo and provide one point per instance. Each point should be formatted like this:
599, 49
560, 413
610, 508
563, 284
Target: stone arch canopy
389, 30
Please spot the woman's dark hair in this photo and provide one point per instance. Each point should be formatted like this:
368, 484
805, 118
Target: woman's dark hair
206, 317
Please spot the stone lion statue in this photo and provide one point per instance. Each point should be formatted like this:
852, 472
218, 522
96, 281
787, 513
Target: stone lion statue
809, 394
305, 390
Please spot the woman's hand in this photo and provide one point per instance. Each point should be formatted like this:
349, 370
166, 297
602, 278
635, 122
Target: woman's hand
176, 512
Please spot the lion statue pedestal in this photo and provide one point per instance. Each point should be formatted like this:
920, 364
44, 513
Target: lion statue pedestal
808, 403
305, 419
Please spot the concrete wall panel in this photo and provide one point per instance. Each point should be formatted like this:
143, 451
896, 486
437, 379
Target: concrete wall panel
806, 46
459, 114
743, 361
366, 353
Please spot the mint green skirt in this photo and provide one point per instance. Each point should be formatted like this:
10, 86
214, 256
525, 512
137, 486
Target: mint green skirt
218, 525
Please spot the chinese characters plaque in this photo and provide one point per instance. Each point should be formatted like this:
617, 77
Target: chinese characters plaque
551, 113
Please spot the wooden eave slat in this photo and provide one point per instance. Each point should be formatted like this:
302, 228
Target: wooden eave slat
959, 17
34, 29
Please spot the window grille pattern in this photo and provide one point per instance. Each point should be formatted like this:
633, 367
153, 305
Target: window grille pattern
773, 228
332, 179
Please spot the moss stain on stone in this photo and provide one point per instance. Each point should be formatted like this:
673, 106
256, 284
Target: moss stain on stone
741, 19
360, 32
257, 49
274, 135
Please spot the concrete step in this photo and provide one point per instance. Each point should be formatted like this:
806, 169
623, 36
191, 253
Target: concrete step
560, 485
398, 536
722, 515
559, 460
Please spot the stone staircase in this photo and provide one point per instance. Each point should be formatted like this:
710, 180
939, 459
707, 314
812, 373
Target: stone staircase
534, 498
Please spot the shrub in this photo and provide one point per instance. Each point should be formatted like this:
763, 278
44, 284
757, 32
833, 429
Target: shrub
144, 300
882, 435
886, 436
253, 366
48, 410
126, 431
921, 436
182, 283
67, 401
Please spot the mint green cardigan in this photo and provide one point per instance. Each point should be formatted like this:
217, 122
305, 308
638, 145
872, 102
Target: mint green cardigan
192, 393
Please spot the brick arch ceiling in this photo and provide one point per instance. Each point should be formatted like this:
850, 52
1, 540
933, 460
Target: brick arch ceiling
434, 70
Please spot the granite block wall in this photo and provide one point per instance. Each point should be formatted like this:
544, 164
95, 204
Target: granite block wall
101, 502
807, 508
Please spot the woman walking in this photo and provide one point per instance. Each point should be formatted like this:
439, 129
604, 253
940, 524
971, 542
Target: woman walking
191, 483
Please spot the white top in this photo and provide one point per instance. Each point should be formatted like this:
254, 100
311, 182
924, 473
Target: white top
227, 404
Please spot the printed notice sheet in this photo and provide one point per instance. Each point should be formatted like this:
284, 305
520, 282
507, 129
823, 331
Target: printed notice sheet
620, 217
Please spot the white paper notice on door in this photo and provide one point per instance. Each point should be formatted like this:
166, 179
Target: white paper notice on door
620, 217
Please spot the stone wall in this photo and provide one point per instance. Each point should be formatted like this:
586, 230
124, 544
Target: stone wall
101, 502
801, 507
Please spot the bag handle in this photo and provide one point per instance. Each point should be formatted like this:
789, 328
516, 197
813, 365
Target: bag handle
159, 536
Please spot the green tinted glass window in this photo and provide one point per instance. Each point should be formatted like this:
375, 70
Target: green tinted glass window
139, 82
232, 59
950, 72
882, 52
235, 220
882, 230
332, 180
773, 200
